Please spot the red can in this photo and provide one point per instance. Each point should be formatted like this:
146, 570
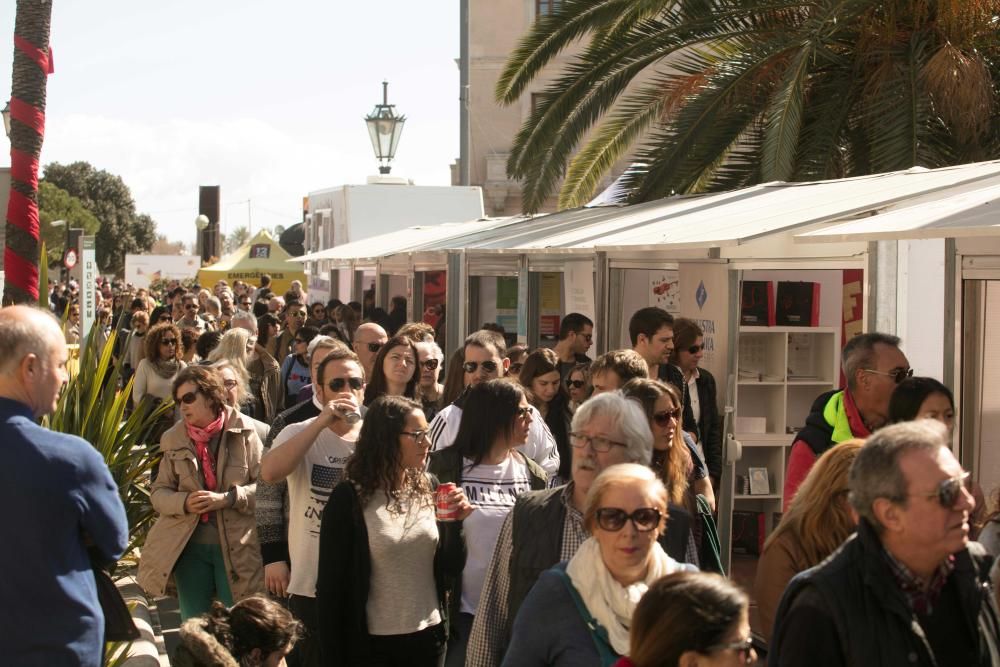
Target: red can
445, 510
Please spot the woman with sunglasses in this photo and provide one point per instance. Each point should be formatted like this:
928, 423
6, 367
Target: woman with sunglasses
394, 371
578, 386
238, 393
691, 619
295, 368
540, 377
317, 316
429, 390
700, 393
154, 376
485, 463
626, 510
818, 521
384, 558
205, 533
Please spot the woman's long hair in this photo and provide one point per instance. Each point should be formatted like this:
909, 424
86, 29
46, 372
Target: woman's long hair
819, 517
253, 623
376, 461
684, 611
910, 394
454, 378
557, 415
155, 335
672, 467
487, 415
232, 347
378, 385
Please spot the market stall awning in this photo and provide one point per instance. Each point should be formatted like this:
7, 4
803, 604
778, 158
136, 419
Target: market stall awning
964, 214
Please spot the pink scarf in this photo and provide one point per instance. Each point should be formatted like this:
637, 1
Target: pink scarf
201, 437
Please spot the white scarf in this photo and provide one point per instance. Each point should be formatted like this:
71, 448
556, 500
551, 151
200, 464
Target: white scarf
610, 603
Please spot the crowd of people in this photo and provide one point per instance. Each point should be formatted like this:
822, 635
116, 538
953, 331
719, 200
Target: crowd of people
333, 489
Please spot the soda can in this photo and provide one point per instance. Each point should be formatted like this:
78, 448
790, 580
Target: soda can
445, 511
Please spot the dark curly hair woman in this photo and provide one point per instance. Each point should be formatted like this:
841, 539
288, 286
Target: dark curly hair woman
384, 559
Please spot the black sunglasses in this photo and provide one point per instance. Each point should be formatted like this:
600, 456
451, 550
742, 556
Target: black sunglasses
695, 349
515, 368
575, 384
375, 347
472, 366
190, 306
663, 418
948, 491
338, 384
189, 397
523, 412
612, 519
897, 374
743, 648
169, 341
163, 318
430, 364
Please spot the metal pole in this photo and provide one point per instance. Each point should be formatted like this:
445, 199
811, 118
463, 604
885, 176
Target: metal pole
464, 160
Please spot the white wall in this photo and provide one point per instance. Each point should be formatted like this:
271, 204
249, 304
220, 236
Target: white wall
920, 305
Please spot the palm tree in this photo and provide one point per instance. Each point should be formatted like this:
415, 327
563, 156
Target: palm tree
716, 94
27, 105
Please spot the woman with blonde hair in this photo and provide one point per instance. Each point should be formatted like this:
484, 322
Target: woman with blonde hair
235, 348
818, 521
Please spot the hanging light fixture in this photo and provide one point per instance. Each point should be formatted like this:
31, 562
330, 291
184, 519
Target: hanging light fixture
384, 129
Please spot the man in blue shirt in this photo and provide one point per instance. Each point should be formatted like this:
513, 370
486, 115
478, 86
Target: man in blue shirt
58, 497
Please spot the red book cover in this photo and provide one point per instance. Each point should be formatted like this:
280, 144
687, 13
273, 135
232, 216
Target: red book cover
757, 303
797, 304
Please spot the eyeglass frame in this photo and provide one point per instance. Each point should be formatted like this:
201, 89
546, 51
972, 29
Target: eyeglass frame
475, 366
663, 418
418, 436
898, 374
592, 440
346, 382
958, 483
743, 648
619, 512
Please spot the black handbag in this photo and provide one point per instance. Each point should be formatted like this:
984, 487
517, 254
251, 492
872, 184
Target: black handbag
118, 623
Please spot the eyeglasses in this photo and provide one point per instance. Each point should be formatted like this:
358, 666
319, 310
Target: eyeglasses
430, 364
597, 443
299, 340
298, 314
189, 397
169, 341
190, 306
163, 318
375, 347
338, 384
612, 519
663, 418
229, 384
743, 648
948, 491
523, 412
695, 349
418, 436
515, 368
897, 374
576, 384
472, 366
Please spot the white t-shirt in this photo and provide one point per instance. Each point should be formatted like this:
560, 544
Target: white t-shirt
309, 488
540, 446
492, 490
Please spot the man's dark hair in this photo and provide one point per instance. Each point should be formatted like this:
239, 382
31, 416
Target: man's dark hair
265, 280
648, 321
137, 303
860, 353
573, 323
487, 339
627, 365
207, 342
339, 353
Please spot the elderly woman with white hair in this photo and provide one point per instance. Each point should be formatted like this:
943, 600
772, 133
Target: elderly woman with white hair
429, 390
548, 527
579, 612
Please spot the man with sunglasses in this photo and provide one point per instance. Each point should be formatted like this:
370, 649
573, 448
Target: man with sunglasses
294, 319
368, 340
189, 318
873, 365
576, 335
64, 513
311, 455
908, 588
485, 353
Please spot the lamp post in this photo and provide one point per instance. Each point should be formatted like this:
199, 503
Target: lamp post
201, 223
384, 129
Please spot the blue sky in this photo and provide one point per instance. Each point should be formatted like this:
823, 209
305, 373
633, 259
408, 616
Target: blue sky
266, 99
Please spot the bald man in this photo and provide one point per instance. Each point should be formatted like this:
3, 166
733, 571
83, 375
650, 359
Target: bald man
368, 340
60, 500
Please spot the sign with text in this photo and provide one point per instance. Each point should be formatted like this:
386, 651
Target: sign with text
88, 286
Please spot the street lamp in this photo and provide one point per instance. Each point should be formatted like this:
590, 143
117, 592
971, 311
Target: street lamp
201, 223
384, 129
6, 118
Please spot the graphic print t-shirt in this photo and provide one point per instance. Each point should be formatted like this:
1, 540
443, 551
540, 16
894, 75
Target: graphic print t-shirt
309, 488
492, 490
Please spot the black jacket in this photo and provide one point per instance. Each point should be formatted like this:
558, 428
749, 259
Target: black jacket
709, 422
848, 610
344, 576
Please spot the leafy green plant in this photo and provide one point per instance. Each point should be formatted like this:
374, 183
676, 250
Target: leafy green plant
92, 407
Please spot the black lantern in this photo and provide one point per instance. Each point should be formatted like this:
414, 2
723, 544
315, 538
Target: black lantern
384, 128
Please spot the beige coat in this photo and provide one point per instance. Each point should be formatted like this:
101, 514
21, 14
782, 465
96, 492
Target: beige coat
238, 467
782, 559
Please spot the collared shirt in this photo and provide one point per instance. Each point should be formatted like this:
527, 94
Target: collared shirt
692, 396
492, 622
921, 595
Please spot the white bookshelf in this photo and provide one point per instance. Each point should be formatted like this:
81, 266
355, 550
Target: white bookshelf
780, 372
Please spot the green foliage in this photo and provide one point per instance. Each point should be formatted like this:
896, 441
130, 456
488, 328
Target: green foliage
235, 239
703, 95
93, 408
54, 203
122, 229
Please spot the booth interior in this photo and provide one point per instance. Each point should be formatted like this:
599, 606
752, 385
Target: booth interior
775, 297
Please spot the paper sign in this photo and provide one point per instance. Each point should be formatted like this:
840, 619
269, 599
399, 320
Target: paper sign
665, 290
549, 292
